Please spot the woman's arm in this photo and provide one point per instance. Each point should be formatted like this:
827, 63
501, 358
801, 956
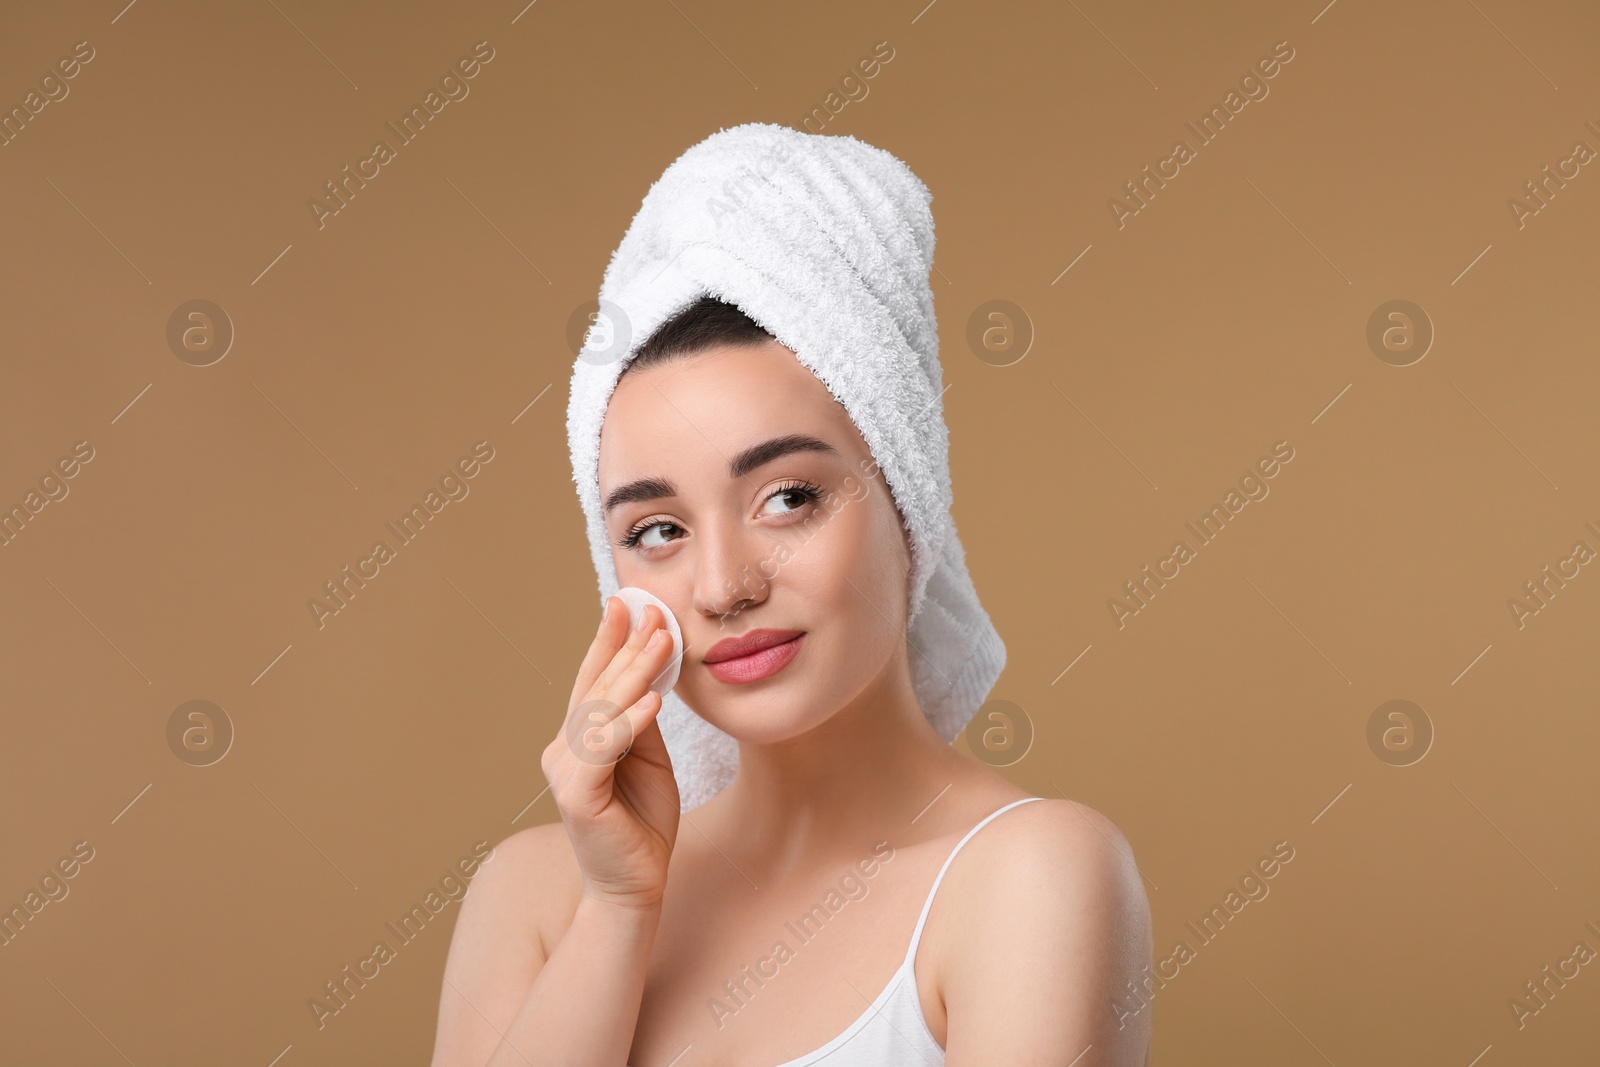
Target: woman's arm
1059, 933
507, 1000
504, 1004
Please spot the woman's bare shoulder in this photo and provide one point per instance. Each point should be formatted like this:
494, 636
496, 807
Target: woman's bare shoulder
534, 875
1051, 843
520, 900
1052, 910
1072, 823
543, 847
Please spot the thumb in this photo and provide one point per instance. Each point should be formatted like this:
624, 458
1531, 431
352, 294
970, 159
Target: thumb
648, 743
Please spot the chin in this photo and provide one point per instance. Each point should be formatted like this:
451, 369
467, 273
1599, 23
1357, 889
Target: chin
760, 718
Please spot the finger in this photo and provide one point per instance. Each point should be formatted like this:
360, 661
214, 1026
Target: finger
634, 679
594, 704
648, 744
602, 707
626, 732
637, 773
608, 638
646, 666
594, 746
649, 623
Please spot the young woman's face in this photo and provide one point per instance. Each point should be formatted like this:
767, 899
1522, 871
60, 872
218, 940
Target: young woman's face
742, 495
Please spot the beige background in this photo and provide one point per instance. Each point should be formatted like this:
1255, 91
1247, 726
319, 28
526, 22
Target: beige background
369, 355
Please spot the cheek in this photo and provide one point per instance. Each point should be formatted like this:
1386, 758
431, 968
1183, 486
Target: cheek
622, 563
887, 547
854, 565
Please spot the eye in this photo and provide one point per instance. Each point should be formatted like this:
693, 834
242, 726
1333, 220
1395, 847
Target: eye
638, 537
657, 533
803, 492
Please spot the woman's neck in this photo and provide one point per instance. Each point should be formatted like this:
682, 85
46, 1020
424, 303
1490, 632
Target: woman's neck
862, 776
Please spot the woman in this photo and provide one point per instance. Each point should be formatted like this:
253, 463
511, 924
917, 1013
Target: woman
833, 902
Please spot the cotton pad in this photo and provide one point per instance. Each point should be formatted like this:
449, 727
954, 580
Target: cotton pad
636, 599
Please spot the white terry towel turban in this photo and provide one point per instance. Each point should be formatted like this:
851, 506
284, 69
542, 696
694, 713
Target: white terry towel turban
826, 242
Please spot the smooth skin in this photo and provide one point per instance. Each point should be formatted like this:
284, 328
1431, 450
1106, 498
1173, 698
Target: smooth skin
626, 934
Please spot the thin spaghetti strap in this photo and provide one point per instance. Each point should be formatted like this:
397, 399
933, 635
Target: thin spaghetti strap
916, 935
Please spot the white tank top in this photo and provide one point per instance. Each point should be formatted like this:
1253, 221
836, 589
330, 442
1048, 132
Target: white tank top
892, 1031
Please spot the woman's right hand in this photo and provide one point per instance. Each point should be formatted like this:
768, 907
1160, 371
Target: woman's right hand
608, 768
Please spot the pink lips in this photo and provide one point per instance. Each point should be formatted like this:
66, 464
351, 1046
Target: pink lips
763, 663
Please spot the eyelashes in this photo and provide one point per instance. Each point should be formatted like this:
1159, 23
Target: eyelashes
811, 491
631, 538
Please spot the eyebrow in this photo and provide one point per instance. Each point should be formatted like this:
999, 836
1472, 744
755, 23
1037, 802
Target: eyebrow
644, 489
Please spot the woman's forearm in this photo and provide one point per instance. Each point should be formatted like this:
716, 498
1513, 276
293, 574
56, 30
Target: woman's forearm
584, 1002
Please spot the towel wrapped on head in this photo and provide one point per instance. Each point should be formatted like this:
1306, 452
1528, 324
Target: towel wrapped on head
827, 243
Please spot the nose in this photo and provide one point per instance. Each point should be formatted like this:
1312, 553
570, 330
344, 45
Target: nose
730, 569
